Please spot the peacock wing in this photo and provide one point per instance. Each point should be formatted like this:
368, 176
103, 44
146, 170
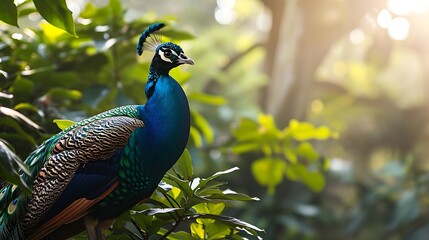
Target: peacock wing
96, 141
55, 163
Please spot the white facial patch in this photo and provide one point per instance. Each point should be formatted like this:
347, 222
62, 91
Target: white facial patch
163, 57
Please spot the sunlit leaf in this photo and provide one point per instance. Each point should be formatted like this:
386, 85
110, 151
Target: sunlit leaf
306, 150
203, 182
182, 184
8, 12
196, 137
232, 195
269, 172
290, 155
154, 211
231, 221
180, 235
199, 121
302, 131
213, 208
245, 147
267, 123
56, 13
197, 230
210, 208
207, 99
51, 32
63, 123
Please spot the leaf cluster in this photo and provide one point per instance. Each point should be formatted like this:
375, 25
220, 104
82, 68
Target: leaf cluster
183, 202
287, 152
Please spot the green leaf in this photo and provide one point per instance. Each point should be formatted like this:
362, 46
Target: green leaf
247, 130
245, 147
207, 99
18, 116
199, 121
22, 135
217, 230
10, 165
22, 87
181, 235
28, 106
8, 12
211, 208
116, 9
269, 172
230, 221
302, 131
62, 93
56, 13
63, 123
196, 137
182, 184
231, 195
183, 166
203, 182
154, 211
268, 123
197, 230
298, 172
306, 150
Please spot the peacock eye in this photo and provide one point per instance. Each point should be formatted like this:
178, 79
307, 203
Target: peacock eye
183, 56
167, 53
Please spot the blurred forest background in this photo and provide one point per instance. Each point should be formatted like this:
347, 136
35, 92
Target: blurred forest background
324, 105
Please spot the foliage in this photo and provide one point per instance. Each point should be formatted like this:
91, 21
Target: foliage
196, 202
11, 165
55, 12
286, 152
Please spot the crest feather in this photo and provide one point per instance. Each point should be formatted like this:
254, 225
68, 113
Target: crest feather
149, 40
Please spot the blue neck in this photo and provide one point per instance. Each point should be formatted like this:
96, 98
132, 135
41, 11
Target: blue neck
166, 117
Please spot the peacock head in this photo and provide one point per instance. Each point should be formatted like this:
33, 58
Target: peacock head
167, 55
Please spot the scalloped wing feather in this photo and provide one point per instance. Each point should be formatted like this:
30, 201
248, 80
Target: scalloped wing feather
53, 164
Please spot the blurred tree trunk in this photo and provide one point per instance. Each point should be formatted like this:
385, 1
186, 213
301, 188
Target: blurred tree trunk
302, 33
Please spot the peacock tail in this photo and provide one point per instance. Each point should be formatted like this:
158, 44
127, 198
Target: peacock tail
98, 168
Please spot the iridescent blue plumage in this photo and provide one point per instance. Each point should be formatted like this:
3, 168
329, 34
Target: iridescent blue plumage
100, 167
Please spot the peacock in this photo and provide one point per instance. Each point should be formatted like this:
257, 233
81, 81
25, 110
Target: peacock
98, 168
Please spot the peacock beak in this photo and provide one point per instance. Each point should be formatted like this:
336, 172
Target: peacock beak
183, 59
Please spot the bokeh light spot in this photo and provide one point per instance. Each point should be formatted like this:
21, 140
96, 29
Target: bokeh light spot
399, 28
357, 36
384, 18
